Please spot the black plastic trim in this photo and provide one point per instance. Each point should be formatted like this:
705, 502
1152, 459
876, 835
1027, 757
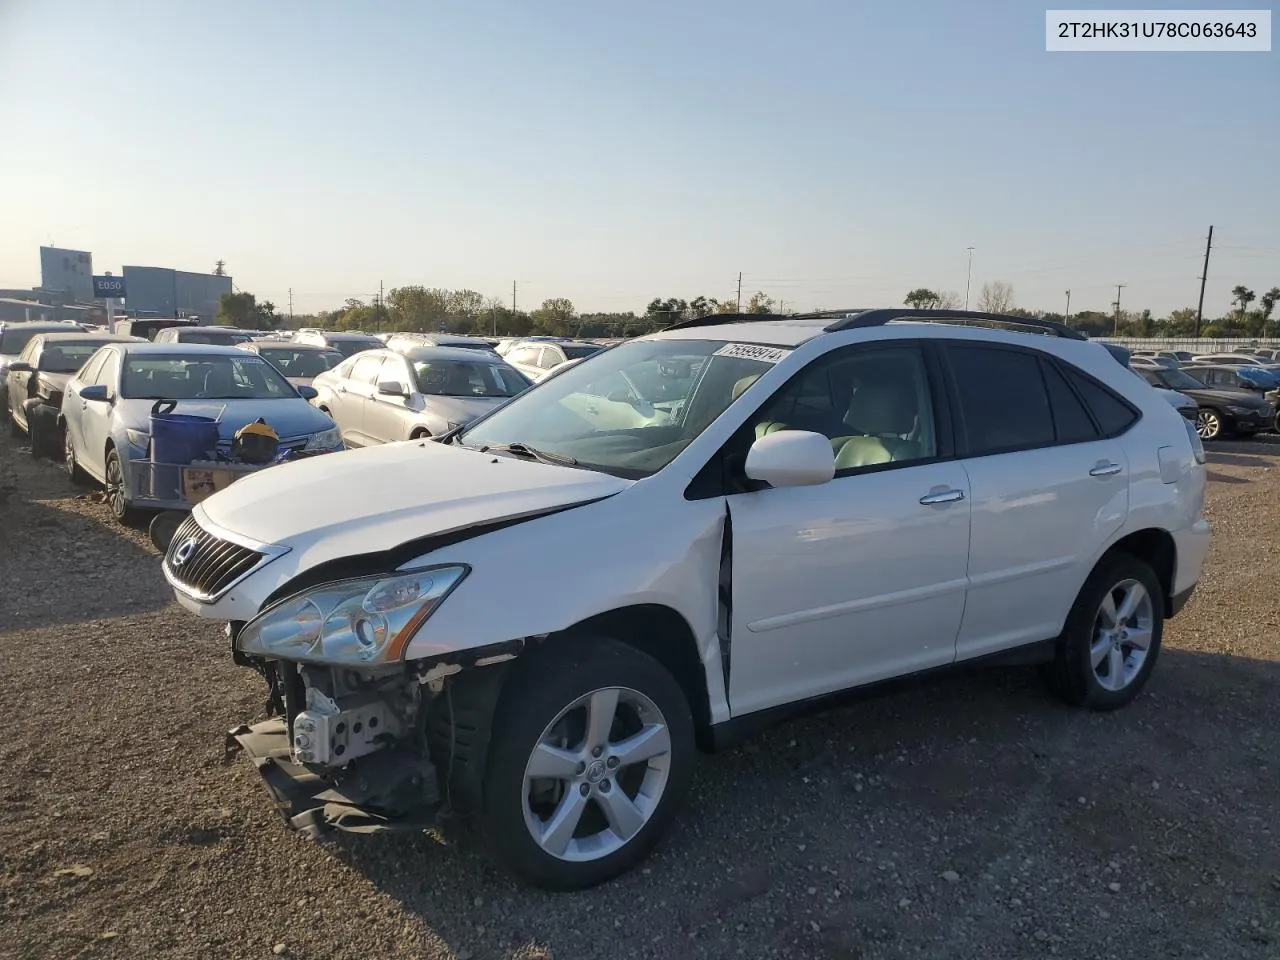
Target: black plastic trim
879, 317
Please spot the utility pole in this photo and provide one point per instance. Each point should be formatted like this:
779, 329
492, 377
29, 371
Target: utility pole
1068, 316
1119, 287
513, 297
291, 306
969, 280
739, 291
377, 318
1204, 275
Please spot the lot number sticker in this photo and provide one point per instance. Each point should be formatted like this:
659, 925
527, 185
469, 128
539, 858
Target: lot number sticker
752, 351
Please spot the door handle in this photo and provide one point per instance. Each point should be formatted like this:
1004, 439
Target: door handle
942, 496
1105, 469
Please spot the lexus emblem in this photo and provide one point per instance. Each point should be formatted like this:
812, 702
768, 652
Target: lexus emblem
184, 551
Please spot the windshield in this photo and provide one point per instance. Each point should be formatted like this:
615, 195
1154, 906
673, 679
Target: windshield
462, 378
13, 342
1177, 380
349, 348
632, 409
221, 337
579, 351
66, 357
293, 362
157, 377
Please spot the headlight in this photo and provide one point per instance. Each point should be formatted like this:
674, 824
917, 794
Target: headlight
366, 621
139, 438
324, 440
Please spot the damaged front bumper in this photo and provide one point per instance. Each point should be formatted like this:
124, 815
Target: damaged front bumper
390, 789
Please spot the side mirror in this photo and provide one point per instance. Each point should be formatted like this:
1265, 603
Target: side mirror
392, 388
95, 393
19, 366
791, 458
307, 392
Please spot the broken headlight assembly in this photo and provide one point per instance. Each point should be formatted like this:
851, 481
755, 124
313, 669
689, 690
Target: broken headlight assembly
365, 621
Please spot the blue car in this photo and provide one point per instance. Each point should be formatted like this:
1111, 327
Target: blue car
107, 406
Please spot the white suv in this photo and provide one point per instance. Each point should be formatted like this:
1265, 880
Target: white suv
538, 620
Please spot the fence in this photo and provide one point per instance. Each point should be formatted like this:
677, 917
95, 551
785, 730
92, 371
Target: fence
1195, 345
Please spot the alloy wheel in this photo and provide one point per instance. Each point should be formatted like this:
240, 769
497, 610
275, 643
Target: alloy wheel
69, 455
115, 486
1122, 632
1208, 425
597, 774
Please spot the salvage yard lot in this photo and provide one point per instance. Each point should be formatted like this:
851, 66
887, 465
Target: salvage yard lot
971, 818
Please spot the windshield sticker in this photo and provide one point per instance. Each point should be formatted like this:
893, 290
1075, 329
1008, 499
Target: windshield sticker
752, 351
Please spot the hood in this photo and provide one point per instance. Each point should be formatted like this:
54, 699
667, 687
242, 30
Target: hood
462, 409
360, 501
291, 417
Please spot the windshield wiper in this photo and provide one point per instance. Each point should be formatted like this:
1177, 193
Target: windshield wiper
524, 450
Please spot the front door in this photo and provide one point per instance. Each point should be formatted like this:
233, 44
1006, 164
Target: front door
864, 577
358, 390
387, 416
95, 418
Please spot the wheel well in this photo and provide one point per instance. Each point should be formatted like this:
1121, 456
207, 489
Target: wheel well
419, 433
667, 637
1155, 548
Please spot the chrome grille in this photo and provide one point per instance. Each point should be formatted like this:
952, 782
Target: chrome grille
205, 566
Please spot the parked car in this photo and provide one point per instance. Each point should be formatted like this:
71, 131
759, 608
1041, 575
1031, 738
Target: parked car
301, 363
1267, 355
1230, 358
1231, 377
148, 328
35, 380
107, 405
535, 359
225, 336
837, 500
14, 338
1152, 363
1184, 404
411, 341
381, 396
346, 342
1222, 411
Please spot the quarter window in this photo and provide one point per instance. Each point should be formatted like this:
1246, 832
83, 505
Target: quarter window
526, 355
1070, 418
1114, 416
1002, 398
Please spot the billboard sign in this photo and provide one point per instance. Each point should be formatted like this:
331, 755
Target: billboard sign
108, 288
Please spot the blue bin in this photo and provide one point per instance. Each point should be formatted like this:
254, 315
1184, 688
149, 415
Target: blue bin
181, 437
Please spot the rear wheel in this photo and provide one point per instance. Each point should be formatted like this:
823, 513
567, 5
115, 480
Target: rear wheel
592, 754
69, 459
117, 494
1112, 636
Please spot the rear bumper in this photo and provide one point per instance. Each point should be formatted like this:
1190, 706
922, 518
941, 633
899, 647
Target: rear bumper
1179, 600
1191, 545
393, 789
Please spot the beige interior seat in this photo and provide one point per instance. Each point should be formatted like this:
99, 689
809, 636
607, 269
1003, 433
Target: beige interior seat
884, 415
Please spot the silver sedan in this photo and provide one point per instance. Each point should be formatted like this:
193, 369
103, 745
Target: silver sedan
381, 396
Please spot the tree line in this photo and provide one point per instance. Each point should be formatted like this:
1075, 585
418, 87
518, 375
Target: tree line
434, 309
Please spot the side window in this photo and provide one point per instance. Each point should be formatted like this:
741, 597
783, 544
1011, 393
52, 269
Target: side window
1002, 398
28, 353
1114, 416
344, 369
90, 370
394, 369
526, 355
551, 357
1070, 418
107, 375
875, 406
366, 369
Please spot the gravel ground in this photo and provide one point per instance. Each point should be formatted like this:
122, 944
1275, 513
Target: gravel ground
973, 818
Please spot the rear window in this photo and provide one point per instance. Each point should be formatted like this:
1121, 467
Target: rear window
349, 348
13, 342
575, 351
66, 357
1002, 397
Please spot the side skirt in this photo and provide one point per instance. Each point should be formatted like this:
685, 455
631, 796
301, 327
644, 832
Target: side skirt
734, 731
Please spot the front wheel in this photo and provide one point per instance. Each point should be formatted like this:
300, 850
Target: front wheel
1209, 424
1111, 640
592, 754
117, 493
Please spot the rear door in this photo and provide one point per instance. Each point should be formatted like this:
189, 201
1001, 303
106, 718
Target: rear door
1049, 483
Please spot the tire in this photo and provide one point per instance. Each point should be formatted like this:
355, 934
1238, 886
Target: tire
117, 501
69, 464
1094, 648
550, 700
4, 405
420, 434
37, 439
1209, 424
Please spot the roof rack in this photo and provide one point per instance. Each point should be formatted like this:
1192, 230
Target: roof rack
856, 318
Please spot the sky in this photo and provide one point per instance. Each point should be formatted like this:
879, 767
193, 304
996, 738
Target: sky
835, 153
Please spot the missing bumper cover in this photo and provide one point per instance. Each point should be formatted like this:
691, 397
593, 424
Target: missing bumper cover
393, 789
